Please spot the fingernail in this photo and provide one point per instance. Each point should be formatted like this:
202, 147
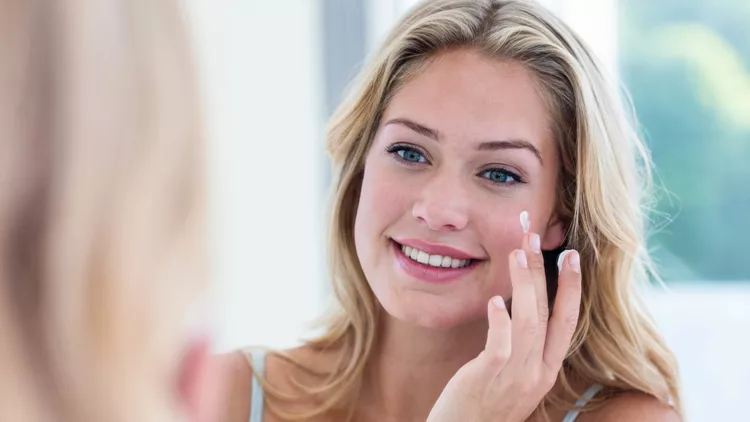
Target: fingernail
574, 260
521, 258
525, 223
535, 243
560, 260
498, 302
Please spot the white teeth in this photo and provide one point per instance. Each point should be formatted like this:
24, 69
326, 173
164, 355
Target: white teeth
434, 260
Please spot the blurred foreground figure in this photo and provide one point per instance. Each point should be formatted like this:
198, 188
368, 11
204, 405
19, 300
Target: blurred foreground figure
102, 266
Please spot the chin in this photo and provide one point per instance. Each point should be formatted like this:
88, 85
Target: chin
426, 310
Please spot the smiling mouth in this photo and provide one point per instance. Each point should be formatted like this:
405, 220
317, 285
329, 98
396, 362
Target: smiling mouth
435, 261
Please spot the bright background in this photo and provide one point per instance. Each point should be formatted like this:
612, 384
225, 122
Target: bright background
273, 71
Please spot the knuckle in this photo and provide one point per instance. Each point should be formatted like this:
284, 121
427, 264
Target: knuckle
497, 359
526, 388
525, 282
517, 384
529, 325
536, 377
536, 262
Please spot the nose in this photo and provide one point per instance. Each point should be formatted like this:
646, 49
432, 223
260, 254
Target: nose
443, 205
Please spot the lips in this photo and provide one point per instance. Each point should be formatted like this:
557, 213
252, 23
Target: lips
433, 271
436, 249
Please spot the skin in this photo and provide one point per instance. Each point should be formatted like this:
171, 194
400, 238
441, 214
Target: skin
444, 190
451, 198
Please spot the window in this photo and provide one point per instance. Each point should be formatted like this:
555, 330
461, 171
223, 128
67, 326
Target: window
687, 67
686, 64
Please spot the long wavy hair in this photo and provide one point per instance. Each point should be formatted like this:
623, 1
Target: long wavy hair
605, 193
101, 208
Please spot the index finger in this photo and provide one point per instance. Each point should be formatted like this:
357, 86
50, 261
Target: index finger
565, 313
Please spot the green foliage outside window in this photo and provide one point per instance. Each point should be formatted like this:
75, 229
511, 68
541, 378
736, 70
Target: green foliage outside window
687, 67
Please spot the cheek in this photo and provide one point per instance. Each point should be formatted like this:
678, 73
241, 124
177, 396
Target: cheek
383, 201
500, 233
501, 230
500, 222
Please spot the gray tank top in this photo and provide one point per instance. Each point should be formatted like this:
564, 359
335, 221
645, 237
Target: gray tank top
258, 359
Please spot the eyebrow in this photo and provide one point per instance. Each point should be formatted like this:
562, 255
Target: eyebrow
484, 146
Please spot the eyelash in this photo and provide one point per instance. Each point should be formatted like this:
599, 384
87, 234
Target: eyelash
394, 150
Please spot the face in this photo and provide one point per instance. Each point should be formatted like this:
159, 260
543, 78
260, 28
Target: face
463, 148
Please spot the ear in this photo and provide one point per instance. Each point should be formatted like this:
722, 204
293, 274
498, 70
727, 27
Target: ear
198, 381
555, 234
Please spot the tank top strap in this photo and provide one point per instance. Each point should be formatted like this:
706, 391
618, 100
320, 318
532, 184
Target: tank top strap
257, 359
587, 395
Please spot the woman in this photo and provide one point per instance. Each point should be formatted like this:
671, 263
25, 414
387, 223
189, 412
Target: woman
482, 141
101, 215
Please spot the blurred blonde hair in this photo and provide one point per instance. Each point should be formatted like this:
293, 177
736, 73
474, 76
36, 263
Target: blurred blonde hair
604, 192
101, 208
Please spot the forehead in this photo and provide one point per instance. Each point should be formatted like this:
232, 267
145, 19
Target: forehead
469, 97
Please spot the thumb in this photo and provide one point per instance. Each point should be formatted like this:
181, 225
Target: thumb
497, 350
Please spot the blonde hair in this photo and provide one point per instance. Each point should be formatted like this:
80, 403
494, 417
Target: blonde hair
101, 209
604, 188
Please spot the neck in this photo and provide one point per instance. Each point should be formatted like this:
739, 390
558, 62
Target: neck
411, 366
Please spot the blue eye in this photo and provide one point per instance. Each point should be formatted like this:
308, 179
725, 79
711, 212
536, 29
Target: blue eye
501, 176
412, 156
408, 154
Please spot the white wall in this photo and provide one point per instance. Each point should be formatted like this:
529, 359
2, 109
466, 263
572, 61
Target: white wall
594, 20
706, 326
261, 76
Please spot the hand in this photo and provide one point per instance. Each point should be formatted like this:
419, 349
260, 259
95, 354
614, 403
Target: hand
522, 357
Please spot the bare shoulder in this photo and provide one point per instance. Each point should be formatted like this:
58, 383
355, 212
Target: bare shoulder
632, 407
237, 386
